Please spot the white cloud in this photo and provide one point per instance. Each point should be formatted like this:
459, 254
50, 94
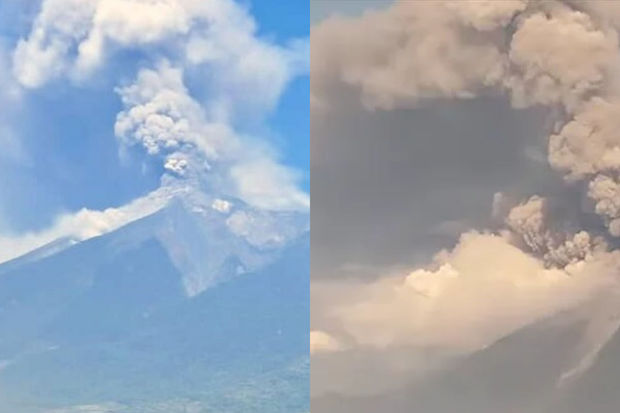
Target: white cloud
265, 184
86, 223
475, 294
240, 63
43, 55
11, 102
74, 38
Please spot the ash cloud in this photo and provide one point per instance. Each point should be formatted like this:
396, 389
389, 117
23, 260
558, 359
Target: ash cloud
544, 53
537, 53
560, 58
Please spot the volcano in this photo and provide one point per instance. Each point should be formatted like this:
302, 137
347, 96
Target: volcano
189, 309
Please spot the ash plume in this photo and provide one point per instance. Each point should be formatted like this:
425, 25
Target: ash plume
532, 224
562, 55
550, 251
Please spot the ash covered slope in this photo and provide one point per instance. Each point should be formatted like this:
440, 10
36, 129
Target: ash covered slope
568, 363
183, 307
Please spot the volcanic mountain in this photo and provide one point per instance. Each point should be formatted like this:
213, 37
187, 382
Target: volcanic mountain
190, 309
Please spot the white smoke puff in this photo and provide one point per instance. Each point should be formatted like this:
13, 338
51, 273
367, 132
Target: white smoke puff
176, 164
548, 72
590, 142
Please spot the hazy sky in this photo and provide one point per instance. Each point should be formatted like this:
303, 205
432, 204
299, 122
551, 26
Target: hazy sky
464, 178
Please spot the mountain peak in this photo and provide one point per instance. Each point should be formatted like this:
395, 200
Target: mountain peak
209, 239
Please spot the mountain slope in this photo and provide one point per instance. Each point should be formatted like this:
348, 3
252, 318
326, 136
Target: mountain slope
111, 322
522, 373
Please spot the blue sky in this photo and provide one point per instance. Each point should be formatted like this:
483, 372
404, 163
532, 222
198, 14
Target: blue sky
291, 122
65, 154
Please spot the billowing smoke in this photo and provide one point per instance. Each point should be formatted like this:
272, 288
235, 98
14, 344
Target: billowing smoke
562, 56
549, 53
202, 86
161, 116
533, 227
